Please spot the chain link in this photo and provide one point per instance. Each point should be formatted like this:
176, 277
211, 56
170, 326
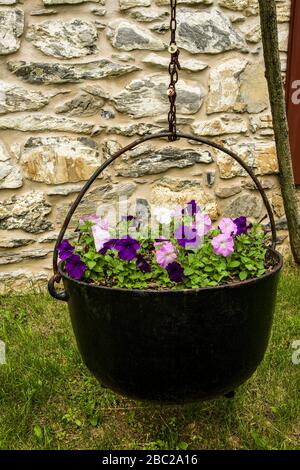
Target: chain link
174, 66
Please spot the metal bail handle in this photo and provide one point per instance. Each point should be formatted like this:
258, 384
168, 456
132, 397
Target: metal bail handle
61, 295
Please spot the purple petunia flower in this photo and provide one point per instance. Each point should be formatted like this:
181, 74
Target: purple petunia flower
192, 208
241, 225
175, 271
75, 267
187, 237
65, 250
128, 218
109, 245
142, 264
127, 248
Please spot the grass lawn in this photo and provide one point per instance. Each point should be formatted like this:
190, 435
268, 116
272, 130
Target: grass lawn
49, 400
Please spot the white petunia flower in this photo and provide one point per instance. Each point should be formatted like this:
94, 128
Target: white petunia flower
163, 215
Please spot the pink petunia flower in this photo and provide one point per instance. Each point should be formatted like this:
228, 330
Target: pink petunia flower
227, 226
89, 218
100, 235
223, 244
164, 253
103, 223
203, 224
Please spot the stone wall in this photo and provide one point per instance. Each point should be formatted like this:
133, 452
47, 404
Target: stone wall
81, 78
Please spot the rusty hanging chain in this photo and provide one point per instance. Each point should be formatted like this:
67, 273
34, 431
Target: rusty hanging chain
174, 66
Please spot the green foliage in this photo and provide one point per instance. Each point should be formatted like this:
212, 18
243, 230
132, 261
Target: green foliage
202, 267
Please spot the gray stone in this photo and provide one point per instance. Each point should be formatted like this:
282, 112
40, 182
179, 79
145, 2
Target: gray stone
97, 91
160, 28
41, 72
64, 39
262, 125
283, 37
253, 34
14, 242
210, 178
237, 18
148, 97
224, 192
127, 36
107, 112
99, 11
146, 160
8, 2
58, 160
245, 204
283, 8
124, 57
71, 2
126, 4
26, 212
170, 191
265, 183
64, 190
281, 224
142, 210
43, 12
101, 197
224, 86
261, 156
235, 5
110, 192
185, 2
191, 65
109, 147
15, 150
237, 85
11, 28
10, 174
99, 24
254, 89
47, 122
83, 104
51, 237
129, 130
22, 280
209, 32
249, 7
15, 98
13, 257
147, 15
220, 126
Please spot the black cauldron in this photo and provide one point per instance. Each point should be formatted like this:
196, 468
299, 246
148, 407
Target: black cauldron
171, 346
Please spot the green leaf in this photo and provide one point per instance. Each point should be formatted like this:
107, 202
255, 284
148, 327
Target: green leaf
243, 275
38, 432
94, 421
91, 264
234, 264
188, 271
